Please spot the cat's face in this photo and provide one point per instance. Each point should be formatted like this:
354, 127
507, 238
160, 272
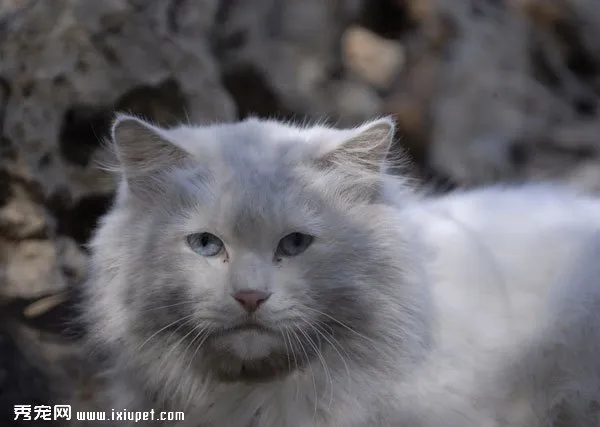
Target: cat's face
251, 250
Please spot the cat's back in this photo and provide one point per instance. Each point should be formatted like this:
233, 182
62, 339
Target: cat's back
521, 227
501, 251
499, 211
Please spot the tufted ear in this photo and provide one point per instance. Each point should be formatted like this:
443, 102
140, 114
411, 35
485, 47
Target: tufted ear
144, 153
363, 149
143, 149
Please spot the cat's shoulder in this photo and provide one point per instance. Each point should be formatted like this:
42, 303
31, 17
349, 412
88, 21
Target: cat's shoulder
504, 236
513, 207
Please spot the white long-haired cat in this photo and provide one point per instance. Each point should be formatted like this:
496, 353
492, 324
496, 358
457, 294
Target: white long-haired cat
260, 274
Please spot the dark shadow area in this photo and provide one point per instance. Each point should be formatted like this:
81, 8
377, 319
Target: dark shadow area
388, 18
82, 130
78, 220
252, 94
163, 104
20, 383
5, 189
85, 126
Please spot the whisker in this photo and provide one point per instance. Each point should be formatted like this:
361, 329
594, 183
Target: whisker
168, 306
162, 329
342, 324
199, 334
312, 373
205, 332
202, 340
294, 357
287, 351
333, 345
176, 345
323, 362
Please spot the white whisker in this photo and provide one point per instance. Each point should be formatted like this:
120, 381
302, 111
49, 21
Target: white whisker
318, 328
312, 374
294, 357
342, 324
323, 362
162, 329
169, 306
176, 345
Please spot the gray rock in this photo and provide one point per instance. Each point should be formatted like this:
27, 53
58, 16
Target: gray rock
69, 62
295, 48
518, 99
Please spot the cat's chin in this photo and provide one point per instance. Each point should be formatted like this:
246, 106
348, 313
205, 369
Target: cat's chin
232, 369
251, 356
249, 344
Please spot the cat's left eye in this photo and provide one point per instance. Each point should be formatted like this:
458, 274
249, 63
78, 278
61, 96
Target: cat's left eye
294, 244
205, 244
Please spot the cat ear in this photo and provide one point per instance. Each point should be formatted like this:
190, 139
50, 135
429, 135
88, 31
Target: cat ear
142, 148
366, 148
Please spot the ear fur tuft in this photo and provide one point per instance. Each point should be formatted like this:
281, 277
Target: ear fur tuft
366, 149
143, 148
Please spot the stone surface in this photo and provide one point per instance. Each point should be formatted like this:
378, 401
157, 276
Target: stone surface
373, 58
295, 48
520, 77
69, 63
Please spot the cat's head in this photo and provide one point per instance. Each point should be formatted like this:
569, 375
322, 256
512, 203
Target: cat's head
248, 250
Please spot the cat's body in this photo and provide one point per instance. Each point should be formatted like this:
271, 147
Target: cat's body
394, 311
515, 282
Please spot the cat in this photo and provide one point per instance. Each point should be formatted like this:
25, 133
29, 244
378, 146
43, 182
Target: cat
260, 274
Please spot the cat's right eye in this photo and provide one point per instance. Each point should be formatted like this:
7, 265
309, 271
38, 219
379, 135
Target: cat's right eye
205, 244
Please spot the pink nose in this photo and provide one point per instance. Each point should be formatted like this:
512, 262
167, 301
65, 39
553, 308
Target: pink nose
251, 299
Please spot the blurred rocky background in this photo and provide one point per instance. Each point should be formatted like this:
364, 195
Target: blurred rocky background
483, 91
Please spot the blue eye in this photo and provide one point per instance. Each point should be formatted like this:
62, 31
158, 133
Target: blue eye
294, 244
205, 244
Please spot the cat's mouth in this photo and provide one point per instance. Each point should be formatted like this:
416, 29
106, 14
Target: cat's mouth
249, 326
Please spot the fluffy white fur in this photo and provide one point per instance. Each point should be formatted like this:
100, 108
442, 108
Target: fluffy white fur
515, 285
479, 308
